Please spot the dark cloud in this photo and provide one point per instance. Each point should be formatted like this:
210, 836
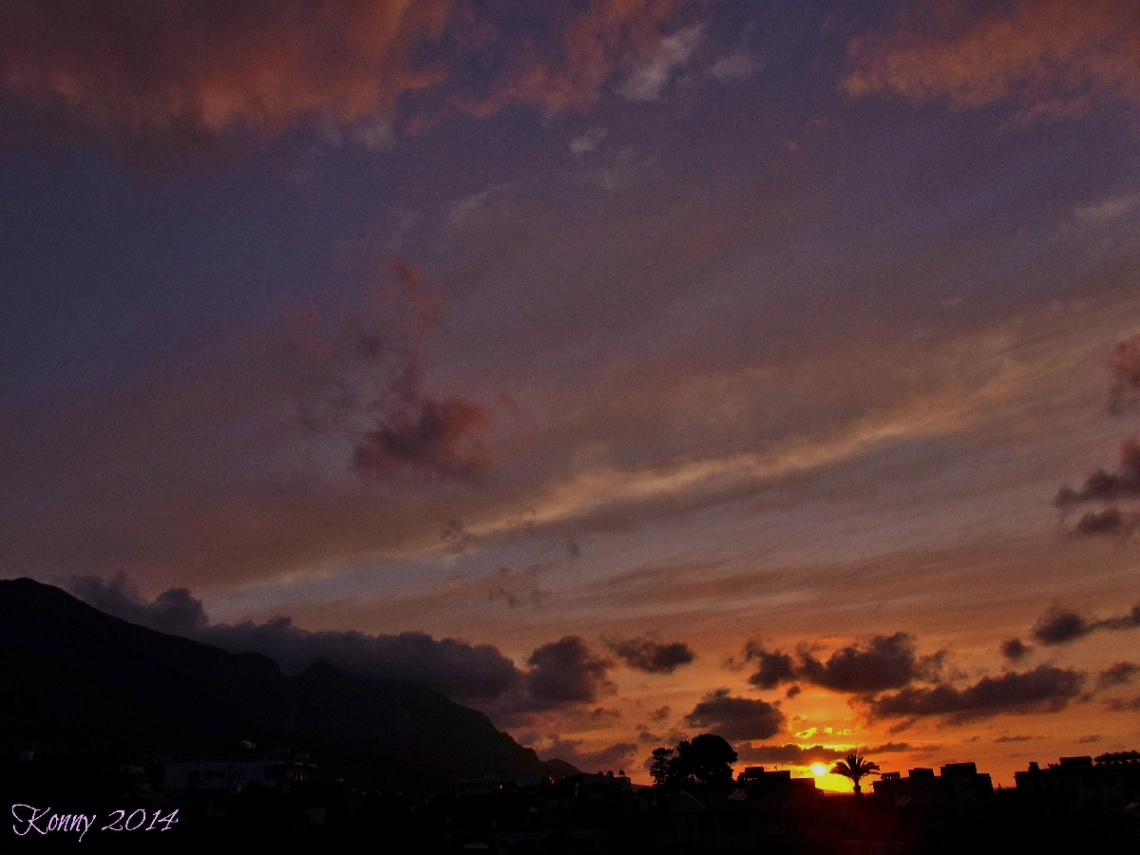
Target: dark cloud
1004, 739
1053, 58
457, 669
567, 671
882, 662
1103, 486
174, 611
1107, 521
190, 72
775, 668
1117, 674
1044, 689
885, 662
660, 714
1014, 649
650, 656
898, 748
792, 692
1060, 625
1124, 482
1131, 620
736, 718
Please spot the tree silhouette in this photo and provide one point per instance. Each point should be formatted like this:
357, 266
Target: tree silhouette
855, 766
661, 766
706, 760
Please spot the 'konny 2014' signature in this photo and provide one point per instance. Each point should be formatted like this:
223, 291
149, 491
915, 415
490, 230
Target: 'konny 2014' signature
31, 819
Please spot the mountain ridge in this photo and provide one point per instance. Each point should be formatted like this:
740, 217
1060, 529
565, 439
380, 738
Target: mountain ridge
74, 676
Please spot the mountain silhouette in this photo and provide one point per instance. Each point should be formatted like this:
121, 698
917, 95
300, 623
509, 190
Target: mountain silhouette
72, 677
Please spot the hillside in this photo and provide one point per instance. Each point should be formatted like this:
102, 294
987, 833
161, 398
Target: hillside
75, 679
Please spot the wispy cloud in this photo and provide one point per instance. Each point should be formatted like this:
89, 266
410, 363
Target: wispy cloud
567, 70
1107, 210
736, 66
588, 141
651, 75
607, 487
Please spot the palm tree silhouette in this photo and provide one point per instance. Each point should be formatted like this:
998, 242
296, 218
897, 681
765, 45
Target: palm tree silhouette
855, 766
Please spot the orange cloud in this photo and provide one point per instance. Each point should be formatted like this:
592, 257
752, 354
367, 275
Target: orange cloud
207, 67
1055, 57
261, 67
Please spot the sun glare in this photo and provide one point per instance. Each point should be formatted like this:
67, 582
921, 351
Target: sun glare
818, 769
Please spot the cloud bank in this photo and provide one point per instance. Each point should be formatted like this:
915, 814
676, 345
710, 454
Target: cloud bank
1044, 689
560, 674
457, 669
882, 662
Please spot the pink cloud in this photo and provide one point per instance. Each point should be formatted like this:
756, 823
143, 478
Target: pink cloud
361, 376
451, 438
183, 70
210, 67
1054, 58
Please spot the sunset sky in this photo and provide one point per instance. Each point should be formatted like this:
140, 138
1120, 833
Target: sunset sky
625, 370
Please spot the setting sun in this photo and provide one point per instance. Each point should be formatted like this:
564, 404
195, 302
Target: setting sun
818, 769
